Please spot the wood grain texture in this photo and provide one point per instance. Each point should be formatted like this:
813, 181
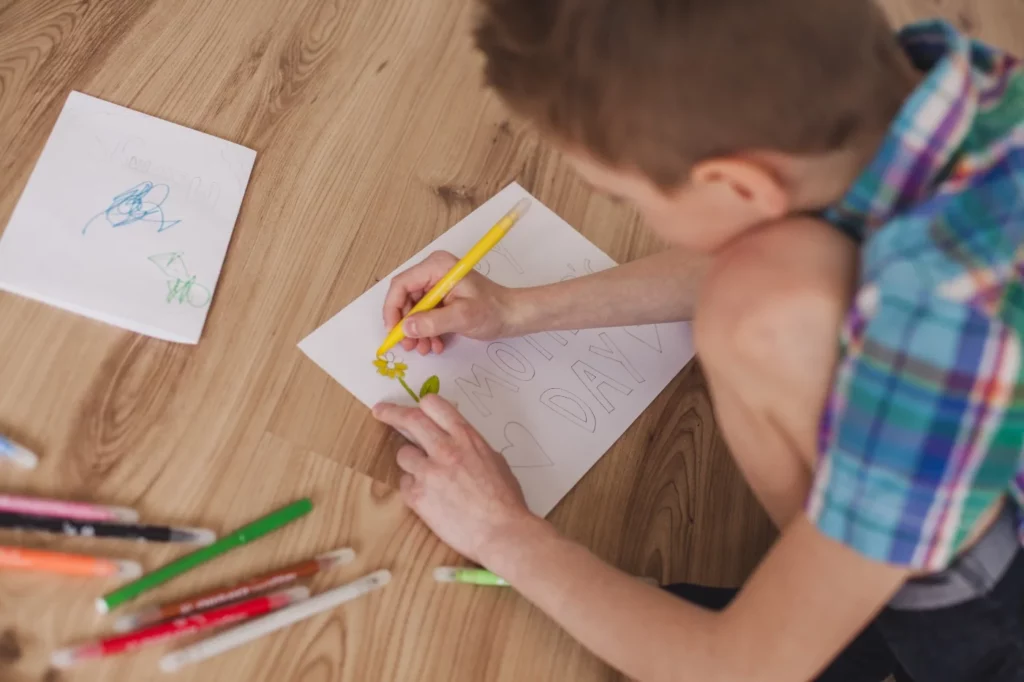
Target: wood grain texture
374, 136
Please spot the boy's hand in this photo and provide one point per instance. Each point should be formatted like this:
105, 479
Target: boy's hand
476, 308
461, 488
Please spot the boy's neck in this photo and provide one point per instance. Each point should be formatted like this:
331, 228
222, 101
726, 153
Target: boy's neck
816, 182
819, 181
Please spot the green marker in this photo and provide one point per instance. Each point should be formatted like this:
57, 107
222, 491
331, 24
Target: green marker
471, 576
242, 536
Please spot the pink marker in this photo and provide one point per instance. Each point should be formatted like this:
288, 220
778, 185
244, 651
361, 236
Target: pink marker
83, 511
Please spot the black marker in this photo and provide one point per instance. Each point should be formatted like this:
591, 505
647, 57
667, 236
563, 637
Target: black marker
100, 529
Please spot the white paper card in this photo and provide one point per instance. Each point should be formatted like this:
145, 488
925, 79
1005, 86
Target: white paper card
552, 403
126, 219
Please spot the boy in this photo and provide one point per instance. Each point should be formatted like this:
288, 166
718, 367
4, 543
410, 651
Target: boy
893, 453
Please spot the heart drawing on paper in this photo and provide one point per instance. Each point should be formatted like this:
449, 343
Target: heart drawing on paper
523, 450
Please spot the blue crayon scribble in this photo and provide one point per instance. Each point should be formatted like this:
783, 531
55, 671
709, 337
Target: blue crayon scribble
181, 286
142, 203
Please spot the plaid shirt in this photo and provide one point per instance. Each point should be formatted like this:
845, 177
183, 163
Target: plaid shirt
924, 429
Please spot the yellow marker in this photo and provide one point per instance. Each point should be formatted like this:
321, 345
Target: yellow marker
460, 270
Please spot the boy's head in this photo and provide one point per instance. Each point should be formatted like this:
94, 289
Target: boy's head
722, 113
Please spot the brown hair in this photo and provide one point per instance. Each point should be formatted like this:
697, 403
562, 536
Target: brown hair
658, 85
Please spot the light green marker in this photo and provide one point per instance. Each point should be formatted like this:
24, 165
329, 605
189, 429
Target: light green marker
471, 576
242, 536
481, 576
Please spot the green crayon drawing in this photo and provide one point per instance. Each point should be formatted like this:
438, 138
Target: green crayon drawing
181, 285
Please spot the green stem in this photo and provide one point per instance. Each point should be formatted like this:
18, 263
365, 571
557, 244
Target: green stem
407, 389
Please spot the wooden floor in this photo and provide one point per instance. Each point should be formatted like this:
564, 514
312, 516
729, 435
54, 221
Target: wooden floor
374, 136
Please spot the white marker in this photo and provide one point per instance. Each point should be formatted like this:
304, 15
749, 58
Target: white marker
282, 618
18, 454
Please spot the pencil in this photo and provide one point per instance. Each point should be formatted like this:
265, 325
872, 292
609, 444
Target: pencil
289, 615
20, 558
242, 536
433, 297
226, 615
18, 454
104, 529
72, 510
261, 583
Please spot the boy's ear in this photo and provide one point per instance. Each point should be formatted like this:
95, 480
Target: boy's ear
754, 186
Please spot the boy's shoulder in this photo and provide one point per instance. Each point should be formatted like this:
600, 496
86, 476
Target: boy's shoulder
942, 206
996, 90
974, 217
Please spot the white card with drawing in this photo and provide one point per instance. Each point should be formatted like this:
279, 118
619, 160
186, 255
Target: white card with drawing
552, 403
126, 219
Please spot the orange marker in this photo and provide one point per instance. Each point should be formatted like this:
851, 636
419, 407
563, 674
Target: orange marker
68, 564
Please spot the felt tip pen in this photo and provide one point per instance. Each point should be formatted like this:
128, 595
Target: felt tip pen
186, 625
40, 561
470, 576
242, 590
104, 529
481, 576
465, 265
243, 536
82, 511
18, 454
282, 618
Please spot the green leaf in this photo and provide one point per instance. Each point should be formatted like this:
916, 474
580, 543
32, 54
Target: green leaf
431, 385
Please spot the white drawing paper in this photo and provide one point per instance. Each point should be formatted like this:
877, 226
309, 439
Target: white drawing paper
126, 219
551, 403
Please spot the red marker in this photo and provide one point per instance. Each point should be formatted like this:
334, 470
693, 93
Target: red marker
225, 615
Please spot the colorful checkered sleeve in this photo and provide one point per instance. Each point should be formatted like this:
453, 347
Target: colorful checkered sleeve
926, 426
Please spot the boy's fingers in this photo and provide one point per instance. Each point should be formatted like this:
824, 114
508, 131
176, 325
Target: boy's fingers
409, 286
415, 421
443, 260
405, 485
392, 316
452, 318
425, 274
443, 413
395, 301
399, 315
412, 460
406, 285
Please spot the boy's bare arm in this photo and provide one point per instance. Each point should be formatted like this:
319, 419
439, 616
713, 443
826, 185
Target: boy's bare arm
807, 599
662, 287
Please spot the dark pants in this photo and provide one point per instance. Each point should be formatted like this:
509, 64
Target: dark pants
978, 640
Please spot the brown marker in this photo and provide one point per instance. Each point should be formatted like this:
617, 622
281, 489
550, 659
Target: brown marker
261, 583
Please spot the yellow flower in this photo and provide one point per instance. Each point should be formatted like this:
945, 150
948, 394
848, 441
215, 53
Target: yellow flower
387, 366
